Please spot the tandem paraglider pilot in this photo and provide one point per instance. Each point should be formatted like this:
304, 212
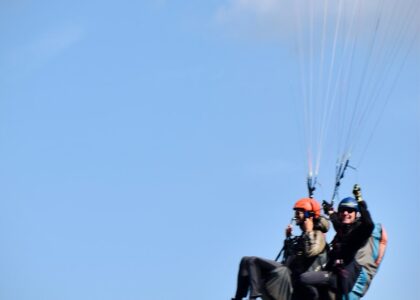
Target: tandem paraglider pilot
356, 251
271, 279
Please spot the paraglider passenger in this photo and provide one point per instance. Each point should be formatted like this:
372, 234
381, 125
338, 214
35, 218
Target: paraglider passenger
260, 276
353, 225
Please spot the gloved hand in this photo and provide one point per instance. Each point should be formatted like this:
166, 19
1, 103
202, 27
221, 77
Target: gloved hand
328, 208
357, 192
289, 230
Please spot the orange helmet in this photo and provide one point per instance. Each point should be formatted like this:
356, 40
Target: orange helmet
309, 205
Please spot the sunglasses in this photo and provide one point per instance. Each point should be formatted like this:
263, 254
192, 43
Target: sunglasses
347, 209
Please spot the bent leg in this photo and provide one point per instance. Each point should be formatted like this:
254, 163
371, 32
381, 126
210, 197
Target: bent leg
252, 273
320, 278
243, 278
259, 269
313, 281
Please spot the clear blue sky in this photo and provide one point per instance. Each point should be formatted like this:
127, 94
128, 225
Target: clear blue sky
145, 146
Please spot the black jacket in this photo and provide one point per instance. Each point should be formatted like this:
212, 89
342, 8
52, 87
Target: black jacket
347, 241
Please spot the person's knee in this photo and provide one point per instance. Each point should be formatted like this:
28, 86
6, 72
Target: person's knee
246, 260
313, 277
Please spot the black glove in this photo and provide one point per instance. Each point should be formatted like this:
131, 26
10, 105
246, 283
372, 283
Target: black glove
327, 207
357, 192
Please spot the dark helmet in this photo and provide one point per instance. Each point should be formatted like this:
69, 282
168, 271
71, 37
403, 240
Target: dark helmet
349, 202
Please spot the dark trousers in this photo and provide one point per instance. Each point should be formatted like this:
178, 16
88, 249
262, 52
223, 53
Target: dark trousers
318, 284
253, 271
